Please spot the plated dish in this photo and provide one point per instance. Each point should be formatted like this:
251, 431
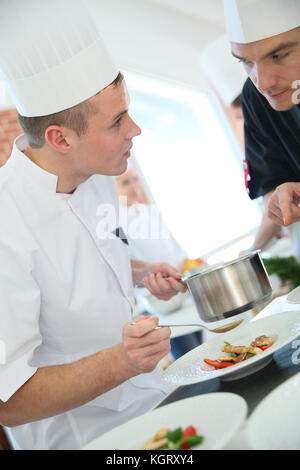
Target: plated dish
282, 328
274, 424
209, 414
174, 439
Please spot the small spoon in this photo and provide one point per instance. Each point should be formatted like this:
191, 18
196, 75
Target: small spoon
221, 329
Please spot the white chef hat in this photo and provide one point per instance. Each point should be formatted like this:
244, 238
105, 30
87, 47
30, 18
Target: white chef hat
51, 55
224, 72
253, 20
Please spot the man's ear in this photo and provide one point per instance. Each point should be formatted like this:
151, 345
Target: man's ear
58, 138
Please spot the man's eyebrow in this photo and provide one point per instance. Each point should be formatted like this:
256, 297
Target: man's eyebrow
273, 51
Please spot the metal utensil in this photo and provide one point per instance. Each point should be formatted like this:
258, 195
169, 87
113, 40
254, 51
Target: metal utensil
228, 290
221, 329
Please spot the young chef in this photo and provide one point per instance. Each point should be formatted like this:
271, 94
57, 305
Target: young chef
265, 37
75, 364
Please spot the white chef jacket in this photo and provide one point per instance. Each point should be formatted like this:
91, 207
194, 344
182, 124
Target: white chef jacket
64, 294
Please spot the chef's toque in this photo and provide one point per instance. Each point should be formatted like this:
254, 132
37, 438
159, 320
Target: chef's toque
253, 20
51, 55
223, 71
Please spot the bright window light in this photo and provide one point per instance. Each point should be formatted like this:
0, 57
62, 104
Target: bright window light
192, 165
2, 94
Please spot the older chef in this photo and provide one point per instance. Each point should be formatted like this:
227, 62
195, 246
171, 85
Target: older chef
228, 78
75, 366
265, 37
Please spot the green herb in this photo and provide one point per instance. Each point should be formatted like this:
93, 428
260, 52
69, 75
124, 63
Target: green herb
226, 342
287, 269
174, 436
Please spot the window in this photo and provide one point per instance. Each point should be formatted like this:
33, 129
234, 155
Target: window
2, 94
191, 163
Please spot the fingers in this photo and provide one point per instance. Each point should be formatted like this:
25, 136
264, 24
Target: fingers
275, 214
145, 345
162, 288
279, 207
283, 205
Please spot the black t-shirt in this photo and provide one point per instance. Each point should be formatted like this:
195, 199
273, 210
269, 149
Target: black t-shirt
272, 142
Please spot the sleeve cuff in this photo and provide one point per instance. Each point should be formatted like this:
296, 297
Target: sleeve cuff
14, 375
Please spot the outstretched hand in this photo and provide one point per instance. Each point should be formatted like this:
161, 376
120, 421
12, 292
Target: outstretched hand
283, 206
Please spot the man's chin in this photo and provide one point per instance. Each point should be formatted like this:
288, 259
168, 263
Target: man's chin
277, 105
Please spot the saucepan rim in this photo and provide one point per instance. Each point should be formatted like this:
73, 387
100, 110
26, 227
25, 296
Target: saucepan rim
220, 266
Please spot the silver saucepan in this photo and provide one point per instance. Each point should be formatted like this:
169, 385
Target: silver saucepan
229, 289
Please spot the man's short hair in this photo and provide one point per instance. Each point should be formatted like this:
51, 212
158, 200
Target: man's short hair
75, 118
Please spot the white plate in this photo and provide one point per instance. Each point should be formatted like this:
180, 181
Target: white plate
216, 416
188, 369
274, 424
294, 296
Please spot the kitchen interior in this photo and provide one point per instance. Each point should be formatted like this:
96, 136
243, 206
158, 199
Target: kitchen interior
189, 160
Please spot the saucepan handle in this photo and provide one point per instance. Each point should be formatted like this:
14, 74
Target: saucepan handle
142, 284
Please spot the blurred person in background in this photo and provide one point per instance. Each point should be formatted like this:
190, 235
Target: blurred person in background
149, 239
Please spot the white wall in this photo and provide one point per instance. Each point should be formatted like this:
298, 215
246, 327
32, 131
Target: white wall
156, 40
5, 101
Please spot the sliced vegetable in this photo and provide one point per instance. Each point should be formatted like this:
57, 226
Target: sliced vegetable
218, 364
250, 355
238, 354
266, 347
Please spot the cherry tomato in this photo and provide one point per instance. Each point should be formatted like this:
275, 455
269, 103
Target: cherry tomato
185, 446
189, 431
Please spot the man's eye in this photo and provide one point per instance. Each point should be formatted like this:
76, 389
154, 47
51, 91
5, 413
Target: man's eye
280, 56
117, 123
244, 61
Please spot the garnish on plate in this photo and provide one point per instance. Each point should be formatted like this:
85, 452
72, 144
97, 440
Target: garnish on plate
237, 354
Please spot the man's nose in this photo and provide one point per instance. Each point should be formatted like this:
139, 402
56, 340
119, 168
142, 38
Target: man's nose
264, 77
134, 129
